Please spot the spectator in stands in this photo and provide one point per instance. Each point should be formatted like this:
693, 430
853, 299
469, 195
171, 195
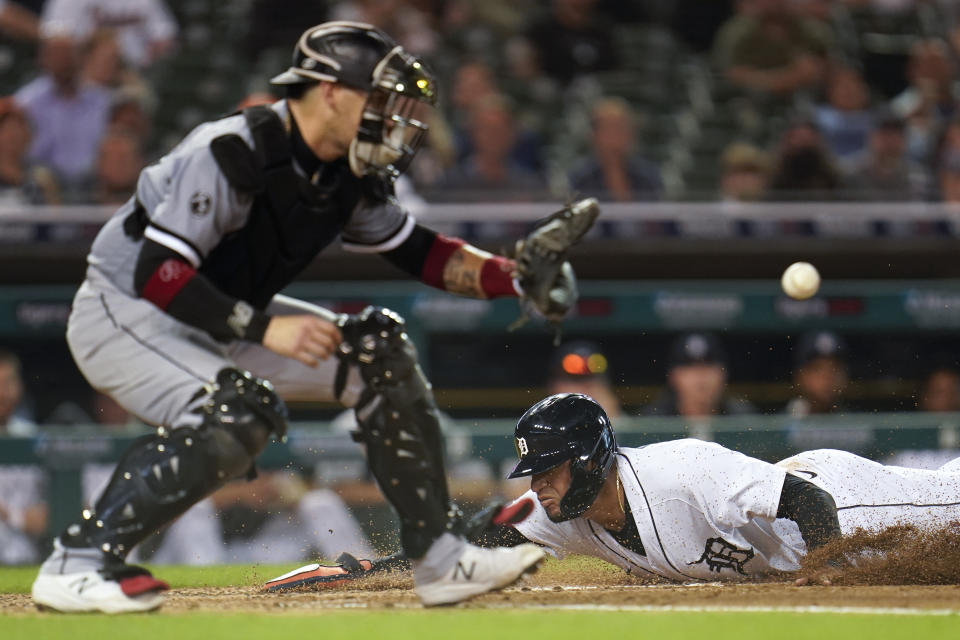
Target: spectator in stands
474, 85
473, 81
130, 111
744, 173
845, 119
118, 167
18, 21
940, 391
948, 163
803, 167
766, 48
582, 367
930, 100
21, 182
820, 375
68, 117
573, 40
697, 381
104, 66
536, 94
408, 24
11, 394
885, 172
23, 513
614, 171
477, 22
145, 29
490, 172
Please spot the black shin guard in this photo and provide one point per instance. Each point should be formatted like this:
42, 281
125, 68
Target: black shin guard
161, 476
399, 423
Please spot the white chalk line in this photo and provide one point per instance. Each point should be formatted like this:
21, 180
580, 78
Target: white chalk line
669, 608
672, 608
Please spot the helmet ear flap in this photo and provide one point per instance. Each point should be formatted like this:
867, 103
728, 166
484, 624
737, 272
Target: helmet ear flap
587, 476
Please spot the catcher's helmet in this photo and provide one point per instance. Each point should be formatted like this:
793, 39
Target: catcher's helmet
363, 57
567, 426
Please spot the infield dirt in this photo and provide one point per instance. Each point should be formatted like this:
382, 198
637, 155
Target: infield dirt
900, 568
396, 592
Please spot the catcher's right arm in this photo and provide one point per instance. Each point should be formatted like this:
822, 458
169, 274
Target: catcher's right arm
546, 279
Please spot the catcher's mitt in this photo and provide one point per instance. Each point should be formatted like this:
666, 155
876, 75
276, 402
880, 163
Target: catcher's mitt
546, 278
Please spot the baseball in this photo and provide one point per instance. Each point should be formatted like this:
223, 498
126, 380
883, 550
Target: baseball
800, 281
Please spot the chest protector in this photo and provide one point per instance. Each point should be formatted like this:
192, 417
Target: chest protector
291, 220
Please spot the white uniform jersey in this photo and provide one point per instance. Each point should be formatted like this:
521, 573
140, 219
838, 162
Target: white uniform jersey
873, 496
705, 513
191, 206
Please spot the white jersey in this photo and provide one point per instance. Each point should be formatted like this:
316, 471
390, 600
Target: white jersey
705, 513
873, 496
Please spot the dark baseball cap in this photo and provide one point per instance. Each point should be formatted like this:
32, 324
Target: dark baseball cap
819, 344
578, 359
696, 348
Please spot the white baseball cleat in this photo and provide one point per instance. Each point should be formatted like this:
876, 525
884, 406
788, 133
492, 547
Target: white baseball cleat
136, 590
448, 574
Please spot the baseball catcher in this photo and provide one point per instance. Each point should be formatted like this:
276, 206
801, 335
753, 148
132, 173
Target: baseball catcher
181, 320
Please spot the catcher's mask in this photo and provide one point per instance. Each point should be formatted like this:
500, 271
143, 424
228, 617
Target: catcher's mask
363, 57
567, 426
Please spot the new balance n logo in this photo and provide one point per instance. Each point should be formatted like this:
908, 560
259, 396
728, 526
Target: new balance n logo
80, 585
467, 573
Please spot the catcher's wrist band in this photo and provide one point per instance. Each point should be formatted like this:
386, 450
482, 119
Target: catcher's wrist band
496, 278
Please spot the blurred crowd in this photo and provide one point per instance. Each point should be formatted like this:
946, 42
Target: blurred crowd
630, 100
624, 100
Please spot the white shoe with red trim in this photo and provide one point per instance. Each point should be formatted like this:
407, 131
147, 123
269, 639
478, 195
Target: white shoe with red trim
125, 590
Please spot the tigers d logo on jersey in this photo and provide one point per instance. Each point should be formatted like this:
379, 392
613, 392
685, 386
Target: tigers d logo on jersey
522, 448
720, 554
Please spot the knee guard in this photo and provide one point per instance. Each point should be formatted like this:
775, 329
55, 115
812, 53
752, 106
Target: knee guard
162, 475
399, 423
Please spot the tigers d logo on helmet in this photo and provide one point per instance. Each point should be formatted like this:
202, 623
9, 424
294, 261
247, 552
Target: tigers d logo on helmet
522, 448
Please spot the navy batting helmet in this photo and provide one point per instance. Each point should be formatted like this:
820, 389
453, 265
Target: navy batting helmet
567, 426
363, 57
